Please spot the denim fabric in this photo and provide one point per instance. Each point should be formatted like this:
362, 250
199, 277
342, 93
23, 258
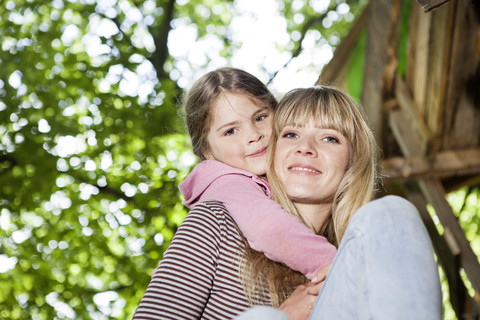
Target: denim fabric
384, 269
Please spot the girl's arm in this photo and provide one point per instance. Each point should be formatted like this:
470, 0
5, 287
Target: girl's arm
268, 227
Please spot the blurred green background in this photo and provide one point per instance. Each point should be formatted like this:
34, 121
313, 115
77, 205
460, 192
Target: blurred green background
91, 144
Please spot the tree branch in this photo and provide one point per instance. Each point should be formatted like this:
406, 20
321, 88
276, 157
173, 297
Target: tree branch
161, 54
306, 27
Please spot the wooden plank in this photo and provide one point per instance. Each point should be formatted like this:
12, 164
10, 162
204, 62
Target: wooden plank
382, 34
417, 62
409, 145
447, 258
333, 72
455, 183
441, 32
462, 116
428, 5
435, 195
411, 112
446, 164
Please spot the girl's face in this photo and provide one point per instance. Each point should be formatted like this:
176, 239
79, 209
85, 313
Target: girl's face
311, 161
239, 133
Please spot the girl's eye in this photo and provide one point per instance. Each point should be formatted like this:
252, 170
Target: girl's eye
331, 139
260, 118
231, 131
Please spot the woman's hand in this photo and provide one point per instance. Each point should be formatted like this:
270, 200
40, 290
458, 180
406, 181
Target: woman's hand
299, 304
317, 282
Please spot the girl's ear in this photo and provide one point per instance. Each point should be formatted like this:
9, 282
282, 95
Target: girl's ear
208, 155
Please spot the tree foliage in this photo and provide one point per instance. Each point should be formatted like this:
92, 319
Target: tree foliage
92, 148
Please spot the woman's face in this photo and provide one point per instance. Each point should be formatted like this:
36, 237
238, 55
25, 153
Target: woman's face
310, 161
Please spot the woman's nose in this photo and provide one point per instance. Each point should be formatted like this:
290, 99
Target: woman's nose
306, 147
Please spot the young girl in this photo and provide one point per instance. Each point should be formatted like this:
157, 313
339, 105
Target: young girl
228, 114
203, 273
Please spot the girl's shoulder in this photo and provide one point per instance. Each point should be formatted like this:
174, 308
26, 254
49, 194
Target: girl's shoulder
213, 215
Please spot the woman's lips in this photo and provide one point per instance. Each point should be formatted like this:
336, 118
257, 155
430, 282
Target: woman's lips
303, 168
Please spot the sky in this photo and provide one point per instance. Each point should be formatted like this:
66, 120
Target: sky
259, 29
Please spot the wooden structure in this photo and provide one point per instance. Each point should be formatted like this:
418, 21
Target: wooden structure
426, 116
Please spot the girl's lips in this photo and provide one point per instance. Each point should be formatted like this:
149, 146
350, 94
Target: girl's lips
258, 153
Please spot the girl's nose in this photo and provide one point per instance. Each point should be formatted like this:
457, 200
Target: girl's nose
255, 135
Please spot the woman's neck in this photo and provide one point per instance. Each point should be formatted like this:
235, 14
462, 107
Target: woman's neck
315, 213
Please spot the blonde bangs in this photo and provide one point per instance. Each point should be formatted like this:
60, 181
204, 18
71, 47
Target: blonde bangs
297, 108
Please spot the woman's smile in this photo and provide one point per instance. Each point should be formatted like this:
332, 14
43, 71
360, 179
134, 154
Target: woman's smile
303, 169
310, 161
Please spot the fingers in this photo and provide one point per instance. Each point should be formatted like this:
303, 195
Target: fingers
299, 304
322, 273
314, 287
315, 290
319, 278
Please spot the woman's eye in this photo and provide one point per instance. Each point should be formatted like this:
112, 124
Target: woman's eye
231, 131
331, 139
289, 135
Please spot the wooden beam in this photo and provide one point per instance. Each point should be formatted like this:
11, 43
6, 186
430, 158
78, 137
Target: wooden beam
462, 112
435, 195
455, 183
409, 145
428, 5
382, 38
333, 72
418, 54
442, 165
440, 47
411, 112
433, 191
448, 259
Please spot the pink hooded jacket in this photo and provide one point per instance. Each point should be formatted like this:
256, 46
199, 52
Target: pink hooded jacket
266, 225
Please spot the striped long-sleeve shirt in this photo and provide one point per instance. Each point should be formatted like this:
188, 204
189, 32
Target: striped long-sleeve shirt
198, 277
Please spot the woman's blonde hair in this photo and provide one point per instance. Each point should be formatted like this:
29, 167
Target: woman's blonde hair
333, 109
202, 96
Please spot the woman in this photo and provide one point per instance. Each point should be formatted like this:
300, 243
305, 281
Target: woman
322, 169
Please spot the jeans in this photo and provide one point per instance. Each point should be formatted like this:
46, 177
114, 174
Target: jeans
384, 268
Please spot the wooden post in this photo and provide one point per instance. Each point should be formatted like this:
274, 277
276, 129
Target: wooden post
380, 63
434, 193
